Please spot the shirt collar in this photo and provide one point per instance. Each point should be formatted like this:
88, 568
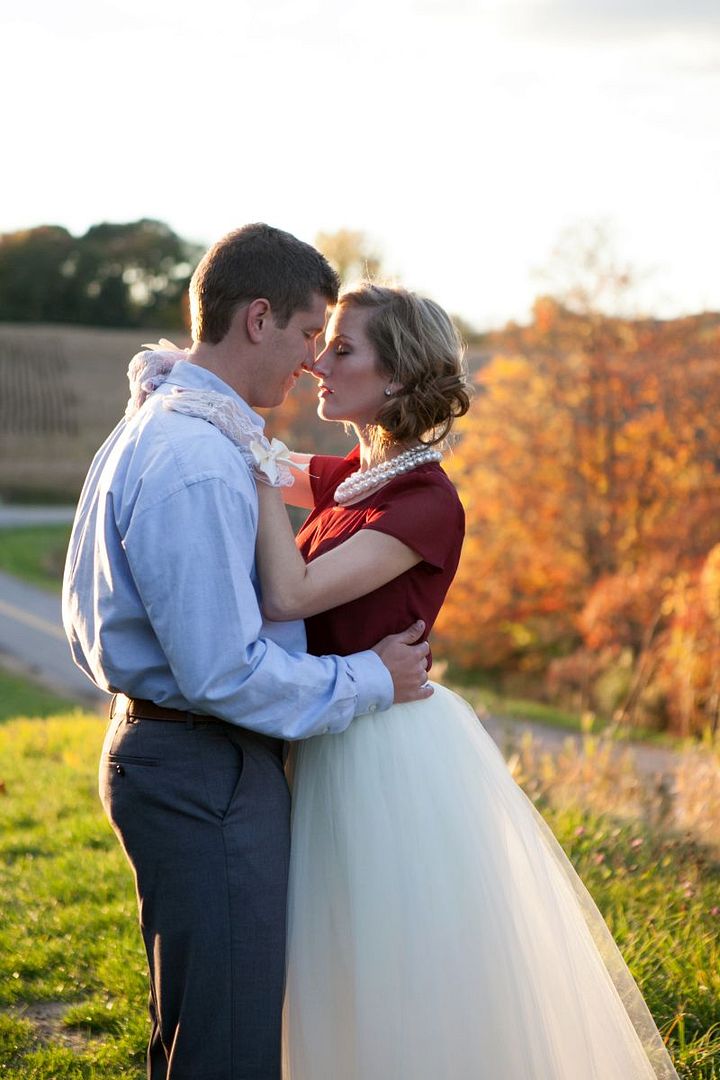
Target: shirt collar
191, 376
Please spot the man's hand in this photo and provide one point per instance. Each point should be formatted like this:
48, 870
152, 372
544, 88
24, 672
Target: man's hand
406, 662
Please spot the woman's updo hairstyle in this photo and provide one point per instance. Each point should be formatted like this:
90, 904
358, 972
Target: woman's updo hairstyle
420, 351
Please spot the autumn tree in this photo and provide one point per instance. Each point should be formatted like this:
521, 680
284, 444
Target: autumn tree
351, 253
590, 454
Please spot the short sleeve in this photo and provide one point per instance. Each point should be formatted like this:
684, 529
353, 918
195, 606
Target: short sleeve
429, 518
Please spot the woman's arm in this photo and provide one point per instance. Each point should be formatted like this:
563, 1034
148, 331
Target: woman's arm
293, 589
300, 494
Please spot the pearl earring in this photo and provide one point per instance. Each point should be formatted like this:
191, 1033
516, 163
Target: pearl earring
388, 392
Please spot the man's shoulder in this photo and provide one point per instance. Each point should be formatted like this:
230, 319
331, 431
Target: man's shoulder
162, 452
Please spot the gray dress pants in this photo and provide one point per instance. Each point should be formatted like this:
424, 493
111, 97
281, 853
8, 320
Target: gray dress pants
202, 811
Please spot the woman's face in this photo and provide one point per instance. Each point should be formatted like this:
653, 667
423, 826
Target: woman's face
351, 387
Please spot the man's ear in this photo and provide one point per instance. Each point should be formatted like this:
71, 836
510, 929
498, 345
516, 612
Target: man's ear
257, 316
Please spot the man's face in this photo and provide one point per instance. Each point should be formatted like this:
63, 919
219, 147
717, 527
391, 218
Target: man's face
289, 350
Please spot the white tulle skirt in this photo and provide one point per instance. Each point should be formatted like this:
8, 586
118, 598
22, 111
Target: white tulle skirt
437, 931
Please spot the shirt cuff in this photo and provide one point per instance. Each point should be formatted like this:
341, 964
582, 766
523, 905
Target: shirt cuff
373, 682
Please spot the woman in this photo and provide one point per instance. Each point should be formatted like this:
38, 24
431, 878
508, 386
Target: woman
436, 929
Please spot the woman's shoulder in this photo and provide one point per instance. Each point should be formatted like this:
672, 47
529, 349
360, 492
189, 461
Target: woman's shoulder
430, 481
425, 496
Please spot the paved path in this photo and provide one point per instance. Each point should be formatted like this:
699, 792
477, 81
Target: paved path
15, 517
32, 641
650, 761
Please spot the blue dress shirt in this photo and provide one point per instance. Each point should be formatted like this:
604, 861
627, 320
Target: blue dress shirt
161, 595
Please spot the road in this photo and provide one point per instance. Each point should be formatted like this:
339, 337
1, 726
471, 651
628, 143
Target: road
650, 761
32, 640
14, 517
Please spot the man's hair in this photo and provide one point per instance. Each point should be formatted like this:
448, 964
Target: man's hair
252, 262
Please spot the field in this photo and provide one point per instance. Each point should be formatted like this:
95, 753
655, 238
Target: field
72, 976
62, 390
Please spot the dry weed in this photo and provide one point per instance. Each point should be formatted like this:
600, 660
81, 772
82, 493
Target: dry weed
599, 776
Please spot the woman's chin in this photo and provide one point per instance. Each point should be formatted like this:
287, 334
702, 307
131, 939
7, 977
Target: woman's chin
325, 411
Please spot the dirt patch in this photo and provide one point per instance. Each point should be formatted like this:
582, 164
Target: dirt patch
47, 1019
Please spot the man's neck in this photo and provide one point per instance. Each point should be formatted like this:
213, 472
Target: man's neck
220, 362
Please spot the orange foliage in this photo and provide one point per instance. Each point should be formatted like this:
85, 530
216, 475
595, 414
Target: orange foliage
589, 467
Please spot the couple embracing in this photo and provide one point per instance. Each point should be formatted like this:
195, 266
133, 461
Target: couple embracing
421, 922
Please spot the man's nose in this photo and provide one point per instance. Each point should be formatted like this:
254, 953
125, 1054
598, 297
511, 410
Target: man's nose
320, 367
309, 355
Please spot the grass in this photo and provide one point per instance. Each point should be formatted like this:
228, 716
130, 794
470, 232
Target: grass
35, 553
476, 688
18, 697
70, 948
68, 940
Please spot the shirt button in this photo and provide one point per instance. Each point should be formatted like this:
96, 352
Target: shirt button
372, 708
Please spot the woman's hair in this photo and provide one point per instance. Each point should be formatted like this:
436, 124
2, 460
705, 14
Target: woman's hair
420, 350
256, 261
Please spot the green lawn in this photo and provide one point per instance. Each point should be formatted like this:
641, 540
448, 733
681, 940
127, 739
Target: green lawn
35, 554
69, 945
18, 697
483, 697
68, 936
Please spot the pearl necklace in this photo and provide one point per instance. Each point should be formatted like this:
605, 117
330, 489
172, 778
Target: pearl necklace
361, 481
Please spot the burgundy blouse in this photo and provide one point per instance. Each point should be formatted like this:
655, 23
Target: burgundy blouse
422, 509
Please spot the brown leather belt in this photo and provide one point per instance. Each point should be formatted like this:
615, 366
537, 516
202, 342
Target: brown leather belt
141, 709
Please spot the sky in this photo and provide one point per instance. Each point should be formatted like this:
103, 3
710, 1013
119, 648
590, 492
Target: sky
464, 137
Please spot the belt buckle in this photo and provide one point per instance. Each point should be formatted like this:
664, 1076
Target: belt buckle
119, 707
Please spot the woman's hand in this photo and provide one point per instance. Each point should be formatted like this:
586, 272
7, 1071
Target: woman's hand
300, 494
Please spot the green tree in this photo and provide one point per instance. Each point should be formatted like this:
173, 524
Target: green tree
34, 282
132, 274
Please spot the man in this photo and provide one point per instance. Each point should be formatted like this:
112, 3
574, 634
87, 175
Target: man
161, 608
